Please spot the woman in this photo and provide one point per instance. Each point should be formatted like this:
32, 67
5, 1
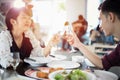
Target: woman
19, 37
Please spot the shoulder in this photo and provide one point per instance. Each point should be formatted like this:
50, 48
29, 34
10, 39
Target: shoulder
5, 33
118, 47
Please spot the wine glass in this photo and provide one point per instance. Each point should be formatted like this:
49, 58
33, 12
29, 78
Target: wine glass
16, 60
68, 30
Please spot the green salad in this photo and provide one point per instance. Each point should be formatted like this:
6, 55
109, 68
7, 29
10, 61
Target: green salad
73, 75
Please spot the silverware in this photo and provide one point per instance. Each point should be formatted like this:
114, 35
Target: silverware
54, 56
35, 69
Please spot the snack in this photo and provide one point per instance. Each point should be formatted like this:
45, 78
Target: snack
42, 74
55, 69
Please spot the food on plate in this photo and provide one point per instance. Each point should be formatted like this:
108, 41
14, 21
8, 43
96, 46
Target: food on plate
72, 75
55, 69
42, 74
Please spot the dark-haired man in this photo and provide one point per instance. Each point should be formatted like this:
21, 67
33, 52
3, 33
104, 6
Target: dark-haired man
110, 23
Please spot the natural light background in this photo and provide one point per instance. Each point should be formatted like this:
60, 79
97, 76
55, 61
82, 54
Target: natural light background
51, 15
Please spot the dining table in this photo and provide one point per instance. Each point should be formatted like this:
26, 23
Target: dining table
23, 66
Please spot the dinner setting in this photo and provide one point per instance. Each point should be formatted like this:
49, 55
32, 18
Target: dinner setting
59, 40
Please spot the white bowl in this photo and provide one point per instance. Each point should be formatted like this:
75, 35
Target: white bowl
89, 75
105, 75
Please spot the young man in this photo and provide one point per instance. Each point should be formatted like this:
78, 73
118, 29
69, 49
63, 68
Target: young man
110, 23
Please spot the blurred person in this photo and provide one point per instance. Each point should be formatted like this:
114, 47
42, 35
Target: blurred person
82, 20
65, 46
94, 36
110, 23
105, 39
3, 10
35, 27
80, 28
20, 38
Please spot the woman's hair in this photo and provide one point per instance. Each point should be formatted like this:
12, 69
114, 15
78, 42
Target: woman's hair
110, 6
13, 13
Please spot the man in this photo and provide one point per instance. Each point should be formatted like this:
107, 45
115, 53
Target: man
110, 23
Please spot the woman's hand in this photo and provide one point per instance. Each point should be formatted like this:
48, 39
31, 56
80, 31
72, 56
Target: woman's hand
54, 40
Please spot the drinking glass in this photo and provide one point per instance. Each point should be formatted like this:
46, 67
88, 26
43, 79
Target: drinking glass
68, 30
16, 60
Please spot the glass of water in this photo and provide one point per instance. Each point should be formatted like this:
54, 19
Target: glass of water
16, 60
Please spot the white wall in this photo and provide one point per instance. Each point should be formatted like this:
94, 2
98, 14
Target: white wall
74, 8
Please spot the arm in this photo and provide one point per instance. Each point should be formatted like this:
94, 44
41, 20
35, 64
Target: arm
5, 43
53, 41
37, 50
74, 41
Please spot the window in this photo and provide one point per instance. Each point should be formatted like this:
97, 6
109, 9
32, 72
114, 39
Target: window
50, 14
93, 13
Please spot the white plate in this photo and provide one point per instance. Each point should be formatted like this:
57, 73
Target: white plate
38, 61
89, 63
89, 75
63, 64
105, 75
57, 57
19, 77
32, 73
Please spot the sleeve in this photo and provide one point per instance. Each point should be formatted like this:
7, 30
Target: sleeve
112, 59
5, 57
37, 50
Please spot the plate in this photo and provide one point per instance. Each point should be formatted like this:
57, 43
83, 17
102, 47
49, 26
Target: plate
105, 75
37, 61
89, 75
19, 77
89, 63
32, 73
57, 57
63, 64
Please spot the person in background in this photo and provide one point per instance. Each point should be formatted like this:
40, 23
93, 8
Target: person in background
94, 36
65, 46
80, 27
3, 10
35, 27
110, 23
20, 38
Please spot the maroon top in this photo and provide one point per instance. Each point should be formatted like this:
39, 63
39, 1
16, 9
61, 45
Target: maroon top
25, 49
112, 59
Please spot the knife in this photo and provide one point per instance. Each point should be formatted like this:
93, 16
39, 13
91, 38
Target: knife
54, 56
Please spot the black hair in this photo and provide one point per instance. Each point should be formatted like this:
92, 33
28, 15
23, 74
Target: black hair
110, 6
13, 14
